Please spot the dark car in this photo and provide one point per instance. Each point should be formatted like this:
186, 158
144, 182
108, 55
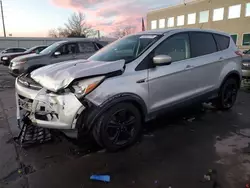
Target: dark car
8, 57
11, 50
71, 49
247, 52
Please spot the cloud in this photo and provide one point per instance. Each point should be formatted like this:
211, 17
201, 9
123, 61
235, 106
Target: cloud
108, 15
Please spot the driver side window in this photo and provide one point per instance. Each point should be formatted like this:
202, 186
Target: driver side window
177, 47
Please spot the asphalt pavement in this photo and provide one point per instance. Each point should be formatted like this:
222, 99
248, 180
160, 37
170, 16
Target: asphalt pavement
176, 150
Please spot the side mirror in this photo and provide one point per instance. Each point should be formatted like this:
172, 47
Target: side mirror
57, 54
160, 60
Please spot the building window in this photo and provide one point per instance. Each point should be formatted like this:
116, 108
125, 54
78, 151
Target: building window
171, 22
234, 11
235, 38
246, 39
204, 16
248, 9
218, 14
180, 20
153, 24
161, 23
191, 18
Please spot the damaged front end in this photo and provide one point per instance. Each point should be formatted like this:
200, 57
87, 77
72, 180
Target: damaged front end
52, 97
46, 109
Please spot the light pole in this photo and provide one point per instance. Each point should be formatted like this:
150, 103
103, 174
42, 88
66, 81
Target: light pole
4, 32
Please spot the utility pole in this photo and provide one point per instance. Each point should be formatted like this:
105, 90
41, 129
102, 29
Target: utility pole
4, 32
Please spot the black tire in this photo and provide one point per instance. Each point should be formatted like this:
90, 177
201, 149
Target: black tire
115, 120
227, 94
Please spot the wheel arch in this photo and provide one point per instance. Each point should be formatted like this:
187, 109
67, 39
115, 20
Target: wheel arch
232, 74
94, 112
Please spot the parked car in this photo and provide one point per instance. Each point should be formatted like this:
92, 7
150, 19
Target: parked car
246, 70
246, 52
130, 81
57, 52
11, 50
8, 57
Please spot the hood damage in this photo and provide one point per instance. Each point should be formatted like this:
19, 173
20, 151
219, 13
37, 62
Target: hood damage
60, 75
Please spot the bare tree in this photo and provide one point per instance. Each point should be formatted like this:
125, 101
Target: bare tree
53, 33
119, 33
75, 27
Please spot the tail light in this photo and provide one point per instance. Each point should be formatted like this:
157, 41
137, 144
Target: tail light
239, 53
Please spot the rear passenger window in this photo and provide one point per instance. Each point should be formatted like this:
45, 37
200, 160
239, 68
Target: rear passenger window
87, 47
202, 44
222, 41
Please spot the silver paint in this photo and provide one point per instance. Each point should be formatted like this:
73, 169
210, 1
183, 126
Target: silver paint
67, 106
162, 85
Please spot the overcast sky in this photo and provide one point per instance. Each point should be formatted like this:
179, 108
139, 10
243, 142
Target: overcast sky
36, 17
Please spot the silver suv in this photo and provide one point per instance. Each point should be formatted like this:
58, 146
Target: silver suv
131, 81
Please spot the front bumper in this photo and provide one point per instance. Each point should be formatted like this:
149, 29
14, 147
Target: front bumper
48, 110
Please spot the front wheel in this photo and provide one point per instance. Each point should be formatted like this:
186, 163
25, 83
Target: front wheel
227, 94
118, 127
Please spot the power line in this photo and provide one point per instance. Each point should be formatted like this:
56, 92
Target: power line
4, 32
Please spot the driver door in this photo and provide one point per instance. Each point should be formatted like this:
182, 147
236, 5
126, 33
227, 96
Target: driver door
169, 84
67, 52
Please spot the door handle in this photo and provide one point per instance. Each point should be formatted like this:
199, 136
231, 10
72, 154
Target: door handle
189, 67
141, 81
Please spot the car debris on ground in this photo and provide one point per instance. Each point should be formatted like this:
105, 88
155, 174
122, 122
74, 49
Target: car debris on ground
103, 178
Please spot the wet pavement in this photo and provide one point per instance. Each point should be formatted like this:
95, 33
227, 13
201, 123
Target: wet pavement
175, 150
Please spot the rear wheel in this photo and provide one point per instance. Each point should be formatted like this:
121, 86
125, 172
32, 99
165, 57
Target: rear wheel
227, 94
118, 127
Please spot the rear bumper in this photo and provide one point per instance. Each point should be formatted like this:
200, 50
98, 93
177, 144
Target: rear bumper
48, 110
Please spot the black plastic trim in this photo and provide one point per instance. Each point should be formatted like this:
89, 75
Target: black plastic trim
232, 73
93, 112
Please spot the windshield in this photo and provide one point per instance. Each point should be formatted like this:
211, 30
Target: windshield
127, 48
51, 48
30, 49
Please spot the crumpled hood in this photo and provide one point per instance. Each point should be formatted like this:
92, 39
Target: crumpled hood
60, 75
28, 57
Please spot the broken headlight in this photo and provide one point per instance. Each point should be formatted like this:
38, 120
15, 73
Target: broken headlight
83, 87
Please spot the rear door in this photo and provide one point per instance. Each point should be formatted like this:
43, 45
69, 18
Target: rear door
67, 52
86, 49
207, 62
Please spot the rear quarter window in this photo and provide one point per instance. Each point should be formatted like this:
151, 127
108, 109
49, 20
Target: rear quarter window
222, 41
202, 44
